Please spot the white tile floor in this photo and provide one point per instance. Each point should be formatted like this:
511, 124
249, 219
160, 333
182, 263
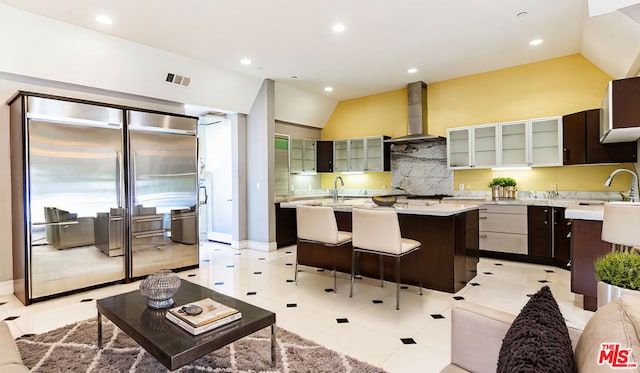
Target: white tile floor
373, 332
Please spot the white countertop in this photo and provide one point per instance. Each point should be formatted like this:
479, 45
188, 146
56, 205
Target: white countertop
575, 209
418, 208
585, 211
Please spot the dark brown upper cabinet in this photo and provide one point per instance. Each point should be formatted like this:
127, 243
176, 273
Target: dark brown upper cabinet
581, 141
324, 162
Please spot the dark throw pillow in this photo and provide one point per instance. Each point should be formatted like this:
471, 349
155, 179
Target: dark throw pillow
538, 340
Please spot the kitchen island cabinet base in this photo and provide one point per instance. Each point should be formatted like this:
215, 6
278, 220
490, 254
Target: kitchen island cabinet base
449, 252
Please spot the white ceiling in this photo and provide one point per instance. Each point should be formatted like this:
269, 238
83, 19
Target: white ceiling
443, 39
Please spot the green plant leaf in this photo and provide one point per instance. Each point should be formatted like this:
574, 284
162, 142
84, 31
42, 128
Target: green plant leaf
619, 269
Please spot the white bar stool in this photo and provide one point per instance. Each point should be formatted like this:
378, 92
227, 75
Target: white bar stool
317, 224
377, 231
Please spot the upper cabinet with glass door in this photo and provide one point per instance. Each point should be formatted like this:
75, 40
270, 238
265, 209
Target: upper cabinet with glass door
361, 154
472, 147
546, 142
525, 143
302, 155
513, 144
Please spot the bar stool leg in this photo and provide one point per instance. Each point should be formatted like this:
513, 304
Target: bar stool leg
353, 270
397, 282
420, 277
381, 266
335, 271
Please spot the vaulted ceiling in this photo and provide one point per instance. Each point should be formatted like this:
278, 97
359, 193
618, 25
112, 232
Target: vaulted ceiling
292, 41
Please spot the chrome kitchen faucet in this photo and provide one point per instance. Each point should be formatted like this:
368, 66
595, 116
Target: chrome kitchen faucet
335, 189
633, 191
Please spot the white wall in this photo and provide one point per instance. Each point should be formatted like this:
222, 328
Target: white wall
41, 47
295, 106
260, 160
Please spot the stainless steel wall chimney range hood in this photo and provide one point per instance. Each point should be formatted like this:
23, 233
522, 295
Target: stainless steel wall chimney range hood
417, 94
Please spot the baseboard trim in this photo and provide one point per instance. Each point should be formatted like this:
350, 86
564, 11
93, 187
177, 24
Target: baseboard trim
6, 287
262, 246
239, 244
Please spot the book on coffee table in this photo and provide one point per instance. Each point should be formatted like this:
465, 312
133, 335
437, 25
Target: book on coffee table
213, 315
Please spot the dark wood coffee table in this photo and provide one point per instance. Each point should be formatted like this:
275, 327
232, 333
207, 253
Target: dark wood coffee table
170, 344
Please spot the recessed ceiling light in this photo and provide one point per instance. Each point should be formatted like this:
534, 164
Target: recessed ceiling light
412, 70
338, 27
536, 42
328, 89
245, 61
294, 77
105, 20
521, 14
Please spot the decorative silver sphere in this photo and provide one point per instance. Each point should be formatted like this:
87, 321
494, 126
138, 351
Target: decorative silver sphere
159, 288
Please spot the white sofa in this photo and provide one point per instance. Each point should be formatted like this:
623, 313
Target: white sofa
10, 360
478, 331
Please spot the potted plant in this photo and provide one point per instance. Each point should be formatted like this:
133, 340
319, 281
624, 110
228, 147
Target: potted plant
618, 273
503, 187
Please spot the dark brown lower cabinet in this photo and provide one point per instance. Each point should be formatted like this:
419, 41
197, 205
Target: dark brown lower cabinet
548, 235
586, 247
286, 230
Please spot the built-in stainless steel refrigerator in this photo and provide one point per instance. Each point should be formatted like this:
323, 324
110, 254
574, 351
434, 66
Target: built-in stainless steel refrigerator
100, 194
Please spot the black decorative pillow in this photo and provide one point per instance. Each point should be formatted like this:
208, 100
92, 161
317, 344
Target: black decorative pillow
538, 340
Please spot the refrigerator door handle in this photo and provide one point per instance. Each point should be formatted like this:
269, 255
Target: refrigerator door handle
206, 196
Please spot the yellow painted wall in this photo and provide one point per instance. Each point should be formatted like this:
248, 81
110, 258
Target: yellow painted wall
548, 88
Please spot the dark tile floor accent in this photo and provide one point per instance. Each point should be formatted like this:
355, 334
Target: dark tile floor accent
437, 316
219, 283
319, 270
262, 258
404, 287
291, 305
328, 290
86, 300
237, 254
252, 293
290, 281
408, 341
230, 266
487, 273
543, 281
257, 273
289, 264
342, 321
474, 284
457, 297
192, 275
287, 252
549, 271
11, 318
206, 260
498, 264
529, 295
376, 301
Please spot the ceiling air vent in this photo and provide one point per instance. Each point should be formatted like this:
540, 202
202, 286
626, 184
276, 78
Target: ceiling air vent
178, 79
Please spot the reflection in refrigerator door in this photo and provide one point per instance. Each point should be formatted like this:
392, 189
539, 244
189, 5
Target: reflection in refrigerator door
74, 173
164, 186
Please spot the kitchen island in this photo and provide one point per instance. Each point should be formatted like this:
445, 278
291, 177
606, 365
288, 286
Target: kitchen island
448, 234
